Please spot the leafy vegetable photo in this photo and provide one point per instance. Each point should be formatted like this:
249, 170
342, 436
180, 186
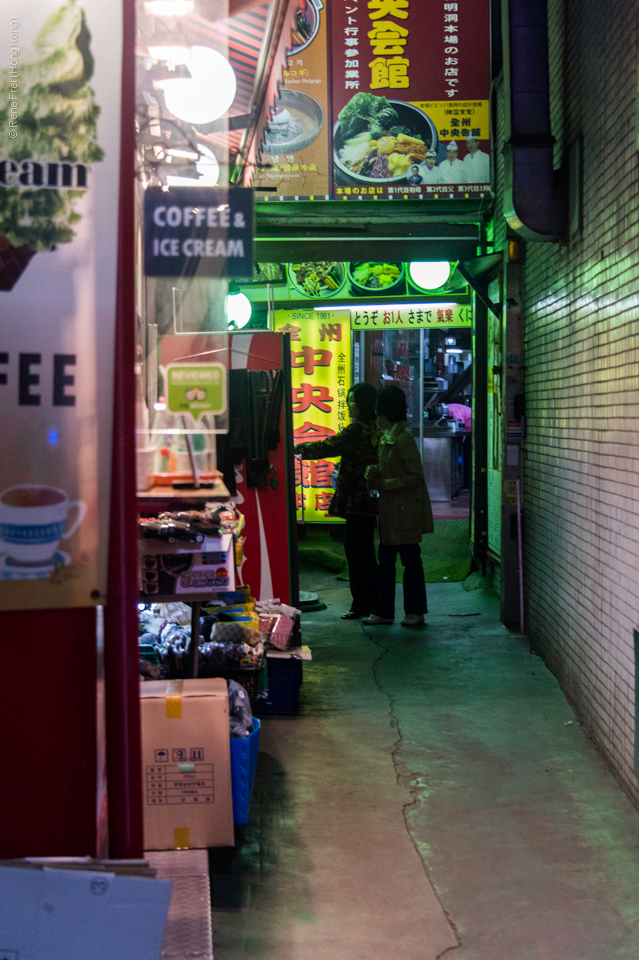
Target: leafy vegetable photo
376, 142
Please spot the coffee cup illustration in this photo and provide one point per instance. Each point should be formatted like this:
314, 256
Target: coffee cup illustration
33, 520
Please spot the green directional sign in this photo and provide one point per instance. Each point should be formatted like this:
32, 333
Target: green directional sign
196, 389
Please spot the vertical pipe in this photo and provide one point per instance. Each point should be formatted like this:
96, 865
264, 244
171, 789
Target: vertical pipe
420, 380
294, 577
124, 766
520, 557
480, 432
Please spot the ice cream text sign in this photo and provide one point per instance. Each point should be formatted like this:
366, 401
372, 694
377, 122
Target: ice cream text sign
203, 230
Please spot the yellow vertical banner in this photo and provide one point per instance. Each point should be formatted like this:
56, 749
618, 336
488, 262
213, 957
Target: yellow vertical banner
321, 377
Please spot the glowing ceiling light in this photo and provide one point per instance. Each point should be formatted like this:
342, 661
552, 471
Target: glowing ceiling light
173, 54
169, 8
179, 152
208, 168
209, 92
238, 307
429, 274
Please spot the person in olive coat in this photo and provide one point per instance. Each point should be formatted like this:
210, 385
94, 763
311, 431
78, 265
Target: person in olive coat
405, 513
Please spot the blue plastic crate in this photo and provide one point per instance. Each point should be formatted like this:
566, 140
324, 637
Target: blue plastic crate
243, 765
282, 697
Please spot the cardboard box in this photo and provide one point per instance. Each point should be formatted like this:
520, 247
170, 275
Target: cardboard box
46, 914
172, 569
186, 759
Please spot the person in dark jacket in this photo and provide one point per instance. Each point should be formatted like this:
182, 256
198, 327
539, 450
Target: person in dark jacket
405, 513
357, 446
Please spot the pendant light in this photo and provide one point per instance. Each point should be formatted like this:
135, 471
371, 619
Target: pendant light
207, 94
238, 307
429, 274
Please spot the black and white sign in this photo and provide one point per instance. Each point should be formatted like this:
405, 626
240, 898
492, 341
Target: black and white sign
206, 231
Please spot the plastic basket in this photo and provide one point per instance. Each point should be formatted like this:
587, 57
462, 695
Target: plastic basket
249, 679
243, 765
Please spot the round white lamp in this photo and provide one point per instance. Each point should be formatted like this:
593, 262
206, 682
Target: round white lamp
238, 307
207, 166
169, 8
429, 274
209, 92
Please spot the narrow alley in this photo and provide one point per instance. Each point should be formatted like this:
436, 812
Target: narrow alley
435, 797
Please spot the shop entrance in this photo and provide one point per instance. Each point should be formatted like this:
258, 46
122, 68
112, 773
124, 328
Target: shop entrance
434, 369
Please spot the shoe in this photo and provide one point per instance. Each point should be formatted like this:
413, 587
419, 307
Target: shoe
413, 620
375, 621
351, 615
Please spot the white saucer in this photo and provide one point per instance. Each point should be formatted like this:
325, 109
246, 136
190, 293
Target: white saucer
10, 569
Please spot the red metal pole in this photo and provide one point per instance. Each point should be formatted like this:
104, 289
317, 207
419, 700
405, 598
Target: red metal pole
124, 769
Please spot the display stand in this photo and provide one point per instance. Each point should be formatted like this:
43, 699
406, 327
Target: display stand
158, 499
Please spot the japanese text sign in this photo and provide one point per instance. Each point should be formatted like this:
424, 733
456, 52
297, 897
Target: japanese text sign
414, 75
411, 316
203, 230
321, 377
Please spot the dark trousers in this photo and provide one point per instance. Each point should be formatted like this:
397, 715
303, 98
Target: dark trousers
414, 586
359, 547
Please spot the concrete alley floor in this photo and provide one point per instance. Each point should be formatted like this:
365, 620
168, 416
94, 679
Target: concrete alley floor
435, 797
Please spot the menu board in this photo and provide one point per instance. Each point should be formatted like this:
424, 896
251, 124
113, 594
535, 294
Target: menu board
294, 155
410, 92
321, 377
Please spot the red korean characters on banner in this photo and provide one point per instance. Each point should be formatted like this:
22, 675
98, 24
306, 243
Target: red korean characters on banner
410, 93
321, 376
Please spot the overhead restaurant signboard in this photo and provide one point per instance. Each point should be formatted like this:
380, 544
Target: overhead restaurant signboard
321, 376
294, 151
411, 316
203, 230
408, 78
60, 80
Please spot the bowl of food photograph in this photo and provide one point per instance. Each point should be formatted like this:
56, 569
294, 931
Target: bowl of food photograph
318, 280
295, 122
376, 279
376, 140
307, 21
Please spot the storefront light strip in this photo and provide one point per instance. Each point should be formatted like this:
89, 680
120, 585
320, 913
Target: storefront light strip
386, 306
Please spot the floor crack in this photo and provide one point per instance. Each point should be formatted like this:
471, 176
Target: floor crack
404, 779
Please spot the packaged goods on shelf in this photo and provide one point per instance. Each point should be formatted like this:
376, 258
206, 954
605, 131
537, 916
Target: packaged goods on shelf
171, 569
165, 640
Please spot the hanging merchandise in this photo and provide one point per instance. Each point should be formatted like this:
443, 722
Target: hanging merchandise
253, 426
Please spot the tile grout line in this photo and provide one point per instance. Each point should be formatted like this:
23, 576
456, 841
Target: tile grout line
403, 779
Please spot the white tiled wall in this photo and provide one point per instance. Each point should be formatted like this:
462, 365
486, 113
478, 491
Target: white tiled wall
582, 386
